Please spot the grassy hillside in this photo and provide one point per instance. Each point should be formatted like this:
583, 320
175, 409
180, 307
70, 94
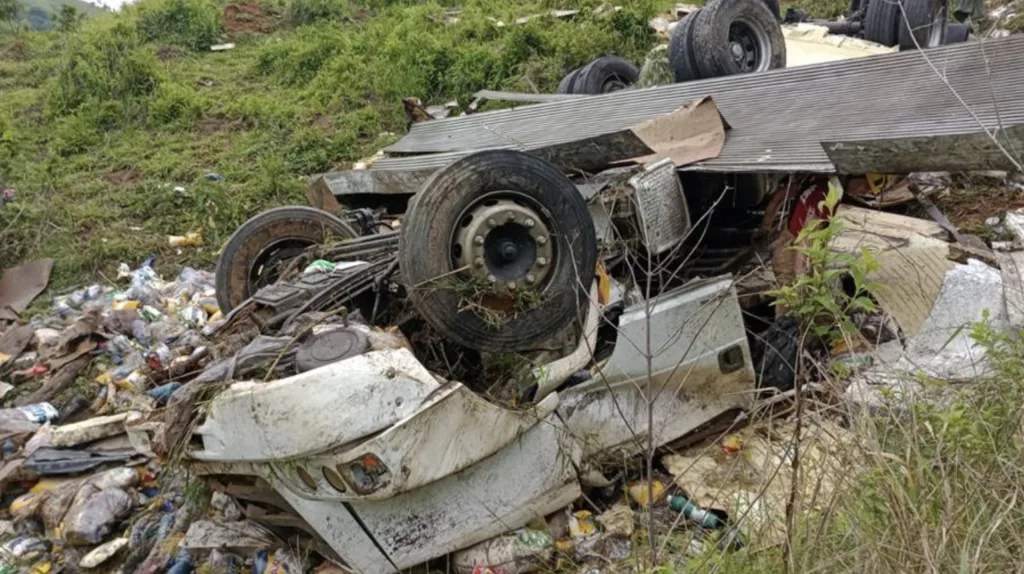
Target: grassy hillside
98, 128
40, 14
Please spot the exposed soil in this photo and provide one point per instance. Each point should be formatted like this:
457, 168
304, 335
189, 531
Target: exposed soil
247, 18
123, 176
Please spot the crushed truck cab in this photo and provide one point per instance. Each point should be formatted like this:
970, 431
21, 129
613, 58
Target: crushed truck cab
392, 466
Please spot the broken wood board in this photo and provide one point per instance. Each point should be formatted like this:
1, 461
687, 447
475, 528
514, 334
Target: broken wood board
909, 282
974, 151
88, 430
1011, 268
878, 230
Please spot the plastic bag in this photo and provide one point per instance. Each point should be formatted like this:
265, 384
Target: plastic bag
94, 513
281, 561
23, 549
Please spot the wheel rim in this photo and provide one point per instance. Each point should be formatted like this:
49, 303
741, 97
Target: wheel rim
614, 84
504, 241
748, 47
267, 265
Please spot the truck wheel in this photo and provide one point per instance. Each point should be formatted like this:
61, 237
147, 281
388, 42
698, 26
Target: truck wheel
258, 250
567, 83
498, 251
927, 19
737, 37
680, 50
881, 22
605, 75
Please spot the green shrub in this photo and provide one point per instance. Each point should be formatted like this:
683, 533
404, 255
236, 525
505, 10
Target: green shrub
192, 24
173, 103
302, 12
103, 65
75, 134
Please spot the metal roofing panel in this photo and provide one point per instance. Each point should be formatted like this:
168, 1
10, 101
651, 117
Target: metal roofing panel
779, 117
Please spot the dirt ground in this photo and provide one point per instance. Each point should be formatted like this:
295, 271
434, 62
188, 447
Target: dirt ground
247, 18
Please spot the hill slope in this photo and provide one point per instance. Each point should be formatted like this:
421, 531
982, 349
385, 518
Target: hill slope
97, 129
39, 13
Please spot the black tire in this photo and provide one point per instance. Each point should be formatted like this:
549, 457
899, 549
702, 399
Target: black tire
425, 251
881, 22
567, 83
605, 75
927, 19
274, 235
957, 33
716, 23
680, 50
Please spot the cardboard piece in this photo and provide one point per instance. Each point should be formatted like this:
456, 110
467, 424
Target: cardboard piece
19, 286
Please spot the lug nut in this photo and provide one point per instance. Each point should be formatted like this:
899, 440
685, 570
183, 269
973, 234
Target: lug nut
511, 216
529, 223
541, 240
479, 262
492, 222
542, 261
530, 279
479, 240
492, 278
511, 286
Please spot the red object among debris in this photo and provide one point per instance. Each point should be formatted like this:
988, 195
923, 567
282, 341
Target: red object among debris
809, 207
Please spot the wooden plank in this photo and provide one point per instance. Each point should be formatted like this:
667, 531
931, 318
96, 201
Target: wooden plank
879, 230
910, 280
973, 151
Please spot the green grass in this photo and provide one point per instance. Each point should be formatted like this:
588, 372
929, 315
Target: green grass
97, 128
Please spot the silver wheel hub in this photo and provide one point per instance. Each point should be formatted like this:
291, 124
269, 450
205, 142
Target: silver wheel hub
504, 244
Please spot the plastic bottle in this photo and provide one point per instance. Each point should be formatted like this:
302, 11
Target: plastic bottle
694, 513
191, 239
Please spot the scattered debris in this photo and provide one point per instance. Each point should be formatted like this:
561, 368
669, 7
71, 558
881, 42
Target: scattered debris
297, 408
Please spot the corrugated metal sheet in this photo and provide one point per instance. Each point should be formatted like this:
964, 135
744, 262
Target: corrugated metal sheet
779, 118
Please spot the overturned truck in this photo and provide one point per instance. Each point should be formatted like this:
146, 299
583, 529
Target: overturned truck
397, 446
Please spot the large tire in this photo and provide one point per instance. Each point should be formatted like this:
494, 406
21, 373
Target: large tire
759, 32
881, 22
275, 235
957, 33
604, 75
567, 83
927, 19
680, 50
437, 212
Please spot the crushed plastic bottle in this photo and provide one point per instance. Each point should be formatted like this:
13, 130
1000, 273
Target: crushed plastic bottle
191, 239
694, 513
319, 266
